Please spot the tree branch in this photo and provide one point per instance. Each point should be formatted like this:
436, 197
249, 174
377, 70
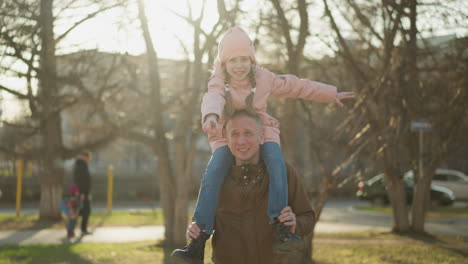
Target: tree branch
86, 18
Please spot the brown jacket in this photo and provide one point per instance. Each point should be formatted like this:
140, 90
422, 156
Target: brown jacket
242, 233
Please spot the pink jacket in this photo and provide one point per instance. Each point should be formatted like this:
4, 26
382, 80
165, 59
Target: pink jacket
268, 83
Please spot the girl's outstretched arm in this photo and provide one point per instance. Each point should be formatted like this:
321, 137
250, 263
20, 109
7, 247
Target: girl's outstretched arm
290, 86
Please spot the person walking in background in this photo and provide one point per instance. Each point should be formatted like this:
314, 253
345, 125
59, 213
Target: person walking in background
239, 83
82, 178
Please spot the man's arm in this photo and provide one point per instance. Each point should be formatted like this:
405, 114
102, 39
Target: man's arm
299, 202
81, 177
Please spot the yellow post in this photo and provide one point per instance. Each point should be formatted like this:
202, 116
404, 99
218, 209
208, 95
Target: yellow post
19, 183
110, 186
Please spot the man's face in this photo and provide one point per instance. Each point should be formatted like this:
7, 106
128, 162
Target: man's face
244, 137
86, 158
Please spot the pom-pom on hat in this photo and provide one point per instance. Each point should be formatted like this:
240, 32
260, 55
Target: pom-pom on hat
235, 42
73, 189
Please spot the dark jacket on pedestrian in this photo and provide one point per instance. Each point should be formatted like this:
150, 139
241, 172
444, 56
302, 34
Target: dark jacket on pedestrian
81, 176
242, 232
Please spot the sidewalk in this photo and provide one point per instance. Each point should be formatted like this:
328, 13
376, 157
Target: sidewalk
130, 234
99, 235
337, 217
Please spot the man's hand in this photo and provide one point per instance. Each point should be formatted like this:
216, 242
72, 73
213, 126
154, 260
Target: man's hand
193, 231
288, 218
210, 124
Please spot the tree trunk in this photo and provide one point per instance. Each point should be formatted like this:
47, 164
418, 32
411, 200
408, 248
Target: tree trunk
326, 186
51, 194
397, 194
160, 146
421, 195
421, 199
182, 183
288, 124
167, 197
52, 181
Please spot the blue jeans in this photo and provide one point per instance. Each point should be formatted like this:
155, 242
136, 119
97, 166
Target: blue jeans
71, 225
278, 188
217, 170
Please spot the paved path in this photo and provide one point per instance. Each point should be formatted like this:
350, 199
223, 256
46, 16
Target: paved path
127, 234
99, 235
338, 216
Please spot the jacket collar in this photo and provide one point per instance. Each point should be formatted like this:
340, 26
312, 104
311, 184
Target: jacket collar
248, 174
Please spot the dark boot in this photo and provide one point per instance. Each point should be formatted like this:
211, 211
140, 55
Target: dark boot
193, 253
285, 240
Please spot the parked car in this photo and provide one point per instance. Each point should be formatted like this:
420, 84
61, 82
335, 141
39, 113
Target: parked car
454, 180
374, 190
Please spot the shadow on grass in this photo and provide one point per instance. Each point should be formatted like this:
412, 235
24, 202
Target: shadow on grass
39, 254
434, 240
20, 224
100, 223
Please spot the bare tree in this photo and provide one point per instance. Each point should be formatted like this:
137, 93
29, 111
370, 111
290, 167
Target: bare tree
386, 74
28, 37
441, 102
175, 157
384, 115
294, 38
291, 24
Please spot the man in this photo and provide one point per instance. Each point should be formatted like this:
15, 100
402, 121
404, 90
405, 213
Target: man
242, 233
82, 178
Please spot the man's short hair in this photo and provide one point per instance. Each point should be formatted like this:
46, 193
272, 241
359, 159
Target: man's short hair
85, 154
246, 113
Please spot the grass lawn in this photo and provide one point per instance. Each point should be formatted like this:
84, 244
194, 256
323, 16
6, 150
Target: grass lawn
438, 212
118, 218
352, 248
376, 253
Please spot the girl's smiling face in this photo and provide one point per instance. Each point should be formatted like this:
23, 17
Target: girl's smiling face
238, 67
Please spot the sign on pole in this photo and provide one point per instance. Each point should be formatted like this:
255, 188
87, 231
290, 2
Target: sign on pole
421, 125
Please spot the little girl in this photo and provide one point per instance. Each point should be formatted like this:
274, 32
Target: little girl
238, 83
71, 207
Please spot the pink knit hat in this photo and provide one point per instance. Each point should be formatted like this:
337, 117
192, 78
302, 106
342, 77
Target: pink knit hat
73, 189
235, 42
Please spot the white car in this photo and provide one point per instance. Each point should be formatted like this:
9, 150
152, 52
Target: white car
454, 180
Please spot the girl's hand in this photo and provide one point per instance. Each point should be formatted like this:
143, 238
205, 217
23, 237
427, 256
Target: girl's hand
193, 231
288, 218
218, 70
341, 96
210, 124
